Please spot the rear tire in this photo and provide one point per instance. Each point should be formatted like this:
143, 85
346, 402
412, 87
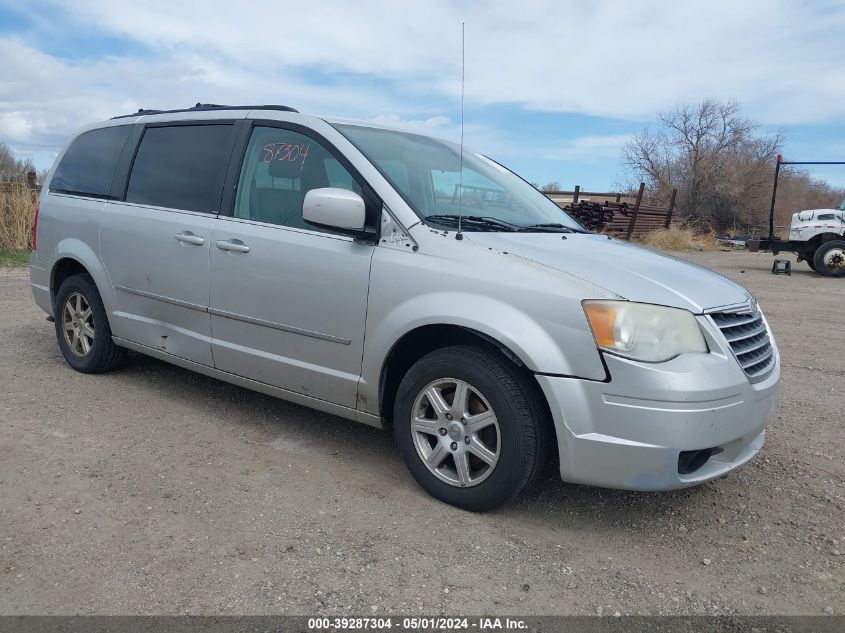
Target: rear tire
829, 259
477, 450
82, 327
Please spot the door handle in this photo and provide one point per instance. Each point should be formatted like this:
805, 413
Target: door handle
232, 245
189, 238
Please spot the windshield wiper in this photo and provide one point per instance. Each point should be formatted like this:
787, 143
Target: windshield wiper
480, 222
551, 226
475, 221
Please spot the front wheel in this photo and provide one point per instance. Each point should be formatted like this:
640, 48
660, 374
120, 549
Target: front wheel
470, 427
829, 259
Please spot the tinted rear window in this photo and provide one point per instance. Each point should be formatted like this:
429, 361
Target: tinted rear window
181, 167
88, 165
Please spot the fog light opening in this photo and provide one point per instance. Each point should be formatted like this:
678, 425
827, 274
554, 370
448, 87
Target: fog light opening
691, 461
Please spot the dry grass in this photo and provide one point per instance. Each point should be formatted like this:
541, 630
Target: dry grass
679, 238
17, 213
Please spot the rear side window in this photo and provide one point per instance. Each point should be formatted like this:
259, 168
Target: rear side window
181, 167
88, 165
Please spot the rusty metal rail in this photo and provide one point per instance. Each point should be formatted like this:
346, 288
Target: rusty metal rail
615, 217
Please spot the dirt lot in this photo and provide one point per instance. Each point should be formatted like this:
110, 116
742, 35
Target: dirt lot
155, 490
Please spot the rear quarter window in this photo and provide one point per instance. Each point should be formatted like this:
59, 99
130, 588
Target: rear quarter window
88, 165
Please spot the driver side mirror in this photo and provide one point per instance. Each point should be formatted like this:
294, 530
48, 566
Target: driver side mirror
334, 208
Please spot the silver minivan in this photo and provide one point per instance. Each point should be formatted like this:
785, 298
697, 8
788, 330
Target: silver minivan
400, 281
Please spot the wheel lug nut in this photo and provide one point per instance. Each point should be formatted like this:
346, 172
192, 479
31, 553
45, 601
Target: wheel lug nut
466, 439
454, 446
448, 416
442, 431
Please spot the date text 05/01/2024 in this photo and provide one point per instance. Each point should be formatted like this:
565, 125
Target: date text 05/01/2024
415, 623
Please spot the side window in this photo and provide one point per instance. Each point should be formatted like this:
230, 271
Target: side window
88, 165
181, 167
279, 168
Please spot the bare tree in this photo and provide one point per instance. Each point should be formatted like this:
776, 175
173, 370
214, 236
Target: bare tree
8, 164
12, 168
713, 155
552, 186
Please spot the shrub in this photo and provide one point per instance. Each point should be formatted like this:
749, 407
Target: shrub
678, 238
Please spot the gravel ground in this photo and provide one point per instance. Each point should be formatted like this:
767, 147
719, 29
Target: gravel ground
156, 490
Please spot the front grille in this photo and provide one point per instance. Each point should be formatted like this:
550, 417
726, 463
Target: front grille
749, 340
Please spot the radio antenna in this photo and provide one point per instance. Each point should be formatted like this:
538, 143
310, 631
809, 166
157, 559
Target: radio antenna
459, 235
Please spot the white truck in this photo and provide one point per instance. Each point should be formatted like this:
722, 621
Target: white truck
817, 236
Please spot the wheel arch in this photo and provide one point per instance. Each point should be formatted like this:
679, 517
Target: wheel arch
74, 256
62, 269
418, 342
813, 243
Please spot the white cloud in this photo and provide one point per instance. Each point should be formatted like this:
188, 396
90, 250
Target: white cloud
626, 60
421, 126
588, 148
14, 126
613, 58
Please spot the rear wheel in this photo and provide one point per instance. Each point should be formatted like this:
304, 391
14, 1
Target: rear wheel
470, 427
82, 328
829, 259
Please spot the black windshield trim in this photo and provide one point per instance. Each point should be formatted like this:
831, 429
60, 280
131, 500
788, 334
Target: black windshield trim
492, 160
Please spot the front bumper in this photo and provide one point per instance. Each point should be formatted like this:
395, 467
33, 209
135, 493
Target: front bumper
629, 432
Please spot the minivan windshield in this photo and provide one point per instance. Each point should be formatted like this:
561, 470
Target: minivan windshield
427, 173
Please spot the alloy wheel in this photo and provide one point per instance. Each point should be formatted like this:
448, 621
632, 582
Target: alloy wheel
78, 324
455, 432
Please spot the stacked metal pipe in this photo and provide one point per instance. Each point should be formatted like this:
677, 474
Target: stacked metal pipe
615, 217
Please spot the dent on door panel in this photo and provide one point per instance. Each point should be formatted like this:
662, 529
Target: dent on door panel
160, 282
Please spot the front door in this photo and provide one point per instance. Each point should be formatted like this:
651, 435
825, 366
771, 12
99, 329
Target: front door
288, 301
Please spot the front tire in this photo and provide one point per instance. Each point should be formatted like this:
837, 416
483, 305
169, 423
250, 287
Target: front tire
82, 327
470, 427
829, 259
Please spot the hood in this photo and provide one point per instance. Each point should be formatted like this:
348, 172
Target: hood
631, 272
810, 214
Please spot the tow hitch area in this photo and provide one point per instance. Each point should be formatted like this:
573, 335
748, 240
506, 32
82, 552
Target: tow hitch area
691, 461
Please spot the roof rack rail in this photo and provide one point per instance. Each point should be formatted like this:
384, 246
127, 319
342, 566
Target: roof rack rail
202, 107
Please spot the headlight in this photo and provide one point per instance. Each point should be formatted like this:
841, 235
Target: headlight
641, 331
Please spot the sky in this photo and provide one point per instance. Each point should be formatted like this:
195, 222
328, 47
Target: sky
553, 89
